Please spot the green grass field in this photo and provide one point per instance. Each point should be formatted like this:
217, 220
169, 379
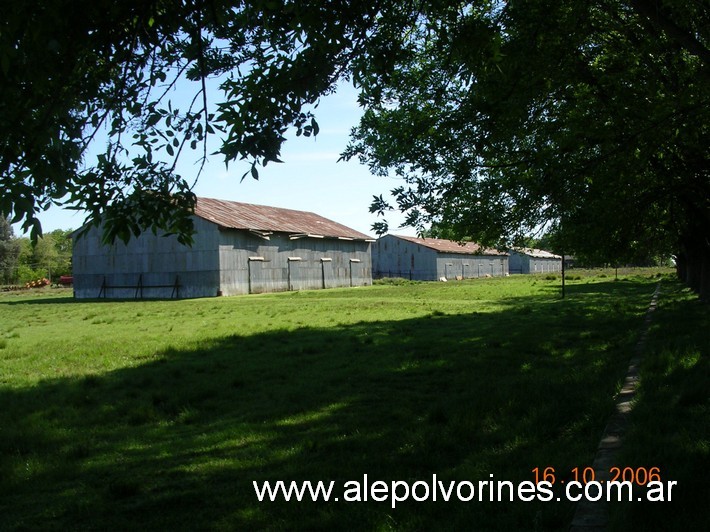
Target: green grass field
160, 414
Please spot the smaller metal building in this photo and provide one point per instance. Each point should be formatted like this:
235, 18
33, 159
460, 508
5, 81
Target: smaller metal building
238, 248
430, 259
528, 260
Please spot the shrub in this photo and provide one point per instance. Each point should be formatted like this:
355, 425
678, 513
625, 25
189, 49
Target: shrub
393, 281
26, 275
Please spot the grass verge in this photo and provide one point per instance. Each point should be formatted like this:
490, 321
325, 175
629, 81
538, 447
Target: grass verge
670, 423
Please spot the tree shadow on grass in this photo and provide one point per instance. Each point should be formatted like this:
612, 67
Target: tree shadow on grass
58, 300
70, 300
670, 424
623, 287
177, 441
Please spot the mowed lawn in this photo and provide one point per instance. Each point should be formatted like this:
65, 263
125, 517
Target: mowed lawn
161, 414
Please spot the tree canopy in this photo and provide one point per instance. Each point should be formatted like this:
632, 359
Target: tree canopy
74, 71
499, 117
592, 116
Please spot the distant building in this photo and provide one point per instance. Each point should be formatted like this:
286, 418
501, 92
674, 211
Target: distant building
429, 259
527, 260
238, 249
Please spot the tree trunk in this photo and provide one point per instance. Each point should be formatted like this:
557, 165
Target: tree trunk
704, 275
693, 266
681, 266
563, 276
693, 275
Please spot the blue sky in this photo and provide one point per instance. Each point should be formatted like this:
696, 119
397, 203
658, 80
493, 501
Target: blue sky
310, 179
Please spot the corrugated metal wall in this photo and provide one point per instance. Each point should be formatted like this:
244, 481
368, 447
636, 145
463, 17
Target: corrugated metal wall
219, 262
396, 257
148, 266
453, 266
541, 265
518, 263
522, 263
251, 264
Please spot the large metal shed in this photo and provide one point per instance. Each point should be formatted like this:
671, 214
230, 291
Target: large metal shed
529, 260
238, 248
429, 259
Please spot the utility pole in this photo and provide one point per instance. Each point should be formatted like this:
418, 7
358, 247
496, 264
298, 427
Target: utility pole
563, 275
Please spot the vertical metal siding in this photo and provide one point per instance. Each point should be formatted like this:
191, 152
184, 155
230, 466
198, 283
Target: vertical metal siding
275, 273
395, 257
218, 262
451, 266
149, 259
524, 263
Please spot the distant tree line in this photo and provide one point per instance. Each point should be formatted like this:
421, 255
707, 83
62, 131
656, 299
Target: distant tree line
22, 261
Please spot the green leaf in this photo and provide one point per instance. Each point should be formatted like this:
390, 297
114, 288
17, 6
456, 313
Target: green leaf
153, 119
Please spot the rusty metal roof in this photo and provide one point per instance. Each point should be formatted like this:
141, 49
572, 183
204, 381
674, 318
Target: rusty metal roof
536, 253
263, 219
451, 246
